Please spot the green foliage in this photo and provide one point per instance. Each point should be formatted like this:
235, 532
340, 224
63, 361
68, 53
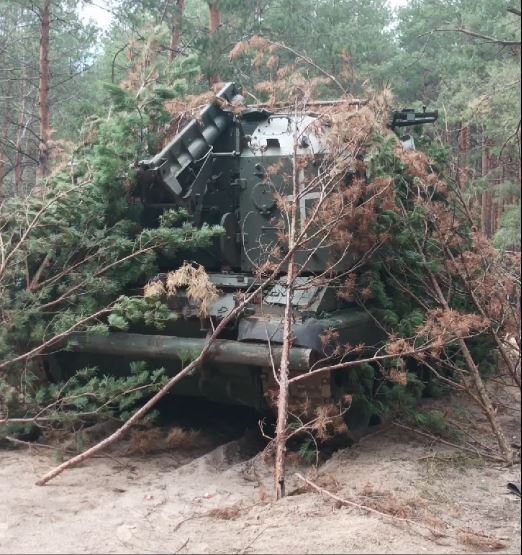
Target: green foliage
360, 379
75, 250
394, 399
476, 81
307, 451
402, 293
435, 422
148, 311
187, 356
86, 244
88, 396
508, 236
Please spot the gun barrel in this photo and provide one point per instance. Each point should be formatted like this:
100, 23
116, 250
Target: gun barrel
143, 347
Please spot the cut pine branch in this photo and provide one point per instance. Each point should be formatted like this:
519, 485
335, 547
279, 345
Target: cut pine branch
476, 379
187, 370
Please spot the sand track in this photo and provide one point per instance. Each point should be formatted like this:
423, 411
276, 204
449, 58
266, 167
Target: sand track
217, 500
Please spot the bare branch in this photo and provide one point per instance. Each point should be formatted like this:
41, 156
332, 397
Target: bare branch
474, 34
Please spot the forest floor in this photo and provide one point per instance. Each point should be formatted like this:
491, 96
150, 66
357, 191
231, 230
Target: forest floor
213, 495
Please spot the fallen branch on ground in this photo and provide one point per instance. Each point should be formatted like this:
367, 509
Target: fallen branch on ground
466, 536
34, 445
434, 531
449, 443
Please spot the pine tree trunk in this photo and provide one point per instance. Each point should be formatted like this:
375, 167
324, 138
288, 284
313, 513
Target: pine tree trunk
215, 23
43, 92
4, 135
519, 171
3, 164
491, 413
177, 27
463, 157
18, 163
492, 181
485, 212
215, 18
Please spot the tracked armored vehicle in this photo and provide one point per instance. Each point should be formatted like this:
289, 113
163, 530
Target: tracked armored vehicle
216, 169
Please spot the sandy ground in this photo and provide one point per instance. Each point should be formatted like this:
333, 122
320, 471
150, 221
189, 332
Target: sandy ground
216, 499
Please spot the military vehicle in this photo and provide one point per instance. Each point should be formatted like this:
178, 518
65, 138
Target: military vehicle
215, 169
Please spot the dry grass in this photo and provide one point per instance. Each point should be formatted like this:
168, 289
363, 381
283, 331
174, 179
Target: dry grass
325, 481
199, 287
154, 289
144, 442
478, 541
329, 422
443, 462
263, 496
328, 482
226, 513
387, 502
154, 440
184, 439
411, 508
200, 290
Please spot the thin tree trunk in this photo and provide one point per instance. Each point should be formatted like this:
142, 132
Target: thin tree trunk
43, 92
22, 122
483, 395
505, 448
502, 198
177, 28
282, 404
23, 154
3, 163
215, 18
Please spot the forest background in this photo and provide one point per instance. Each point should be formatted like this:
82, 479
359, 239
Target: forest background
460, 56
